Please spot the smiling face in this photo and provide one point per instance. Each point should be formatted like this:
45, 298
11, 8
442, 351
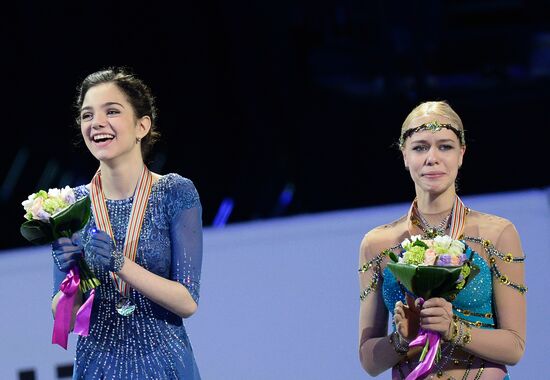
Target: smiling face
109, 125
433, 158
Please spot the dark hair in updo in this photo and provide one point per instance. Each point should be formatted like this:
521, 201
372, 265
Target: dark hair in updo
137, 93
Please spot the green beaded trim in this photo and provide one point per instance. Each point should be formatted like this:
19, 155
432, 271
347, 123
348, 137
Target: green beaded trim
469, 313
492, 252
434, 126
373, 265
476, 323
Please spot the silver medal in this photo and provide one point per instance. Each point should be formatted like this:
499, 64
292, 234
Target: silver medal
125, 306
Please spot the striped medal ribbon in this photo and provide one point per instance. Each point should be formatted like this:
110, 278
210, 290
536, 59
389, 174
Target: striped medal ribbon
125, 306
457, 218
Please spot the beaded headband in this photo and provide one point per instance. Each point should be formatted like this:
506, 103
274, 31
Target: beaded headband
433, 126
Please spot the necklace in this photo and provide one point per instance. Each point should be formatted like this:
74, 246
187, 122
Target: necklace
433, 231
455, 221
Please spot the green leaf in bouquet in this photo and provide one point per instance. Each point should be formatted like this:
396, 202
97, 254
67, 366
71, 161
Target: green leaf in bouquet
427, 281
64, 223
37, 232
71, 219
392, 255
420, 243
474, 271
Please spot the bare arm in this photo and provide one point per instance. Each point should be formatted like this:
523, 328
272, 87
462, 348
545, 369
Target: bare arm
506, 344
376, 353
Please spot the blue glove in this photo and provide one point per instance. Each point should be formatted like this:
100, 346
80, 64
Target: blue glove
66, 253
103, 248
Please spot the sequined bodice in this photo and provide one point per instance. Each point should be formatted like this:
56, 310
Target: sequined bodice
152, 342
476, 297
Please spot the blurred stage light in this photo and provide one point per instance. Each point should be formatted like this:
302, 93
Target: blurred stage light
223, 213
285, 198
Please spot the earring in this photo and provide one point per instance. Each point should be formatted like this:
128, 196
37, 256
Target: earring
138, 139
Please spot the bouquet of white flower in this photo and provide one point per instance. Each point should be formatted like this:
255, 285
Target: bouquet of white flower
54, 214
438, 267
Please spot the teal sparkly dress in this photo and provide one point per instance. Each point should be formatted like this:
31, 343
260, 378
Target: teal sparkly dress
473, 307
151, 343
474, 303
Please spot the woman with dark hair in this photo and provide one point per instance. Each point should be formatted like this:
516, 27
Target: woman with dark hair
143, 241
483, 328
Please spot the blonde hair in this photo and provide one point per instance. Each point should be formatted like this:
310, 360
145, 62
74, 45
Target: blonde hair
439, 108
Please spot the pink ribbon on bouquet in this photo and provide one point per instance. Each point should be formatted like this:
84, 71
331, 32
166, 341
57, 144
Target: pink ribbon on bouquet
433, 339
64, 310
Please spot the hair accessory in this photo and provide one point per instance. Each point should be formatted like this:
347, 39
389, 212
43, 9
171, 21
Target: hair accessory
433, 126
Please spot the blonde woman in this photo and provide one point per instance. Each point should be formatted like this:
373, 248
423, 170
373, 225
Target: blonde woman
483, 329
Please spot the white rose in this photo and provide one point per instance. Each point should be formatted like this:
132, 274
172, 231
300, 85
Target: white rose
460, 245
455, 250
36, 206
67, 195
443, 242
54, 193
27, 204
416, 237
405, 244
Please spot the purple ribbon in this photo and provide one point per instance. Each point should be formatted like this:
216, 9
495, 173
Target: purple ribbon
432, 339
64, 311
82, 321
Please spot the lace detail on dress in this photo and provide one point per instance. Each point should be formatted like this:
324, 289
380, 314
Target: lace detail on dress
151, 343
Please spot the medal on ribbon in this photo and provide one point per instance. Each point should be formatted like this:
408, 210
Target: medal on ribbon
125, 305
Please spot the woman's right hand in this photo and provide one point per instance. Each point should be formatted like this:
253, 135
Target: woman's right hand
407, 318
66, 252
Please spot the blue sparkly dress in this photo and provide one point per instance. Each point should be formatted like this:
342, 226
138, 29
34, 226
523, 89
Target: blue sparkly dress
151, 343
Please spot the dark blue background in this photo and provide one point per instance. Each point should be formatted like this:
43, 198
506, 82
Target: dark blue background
258, 96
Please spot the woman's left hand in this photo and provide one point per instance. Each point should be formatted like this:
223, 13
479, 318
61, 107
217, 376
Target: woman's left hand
437, 315
106, 256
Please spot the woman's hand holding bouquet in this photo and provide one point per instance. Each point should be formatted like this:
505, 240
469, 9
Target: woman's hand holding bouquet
433, 271
56, 217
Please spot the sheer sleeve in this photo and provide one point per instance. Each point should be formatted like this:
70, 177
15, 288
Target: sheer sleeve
376, 353
505, 344
186, 235
373, 314
509, 290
